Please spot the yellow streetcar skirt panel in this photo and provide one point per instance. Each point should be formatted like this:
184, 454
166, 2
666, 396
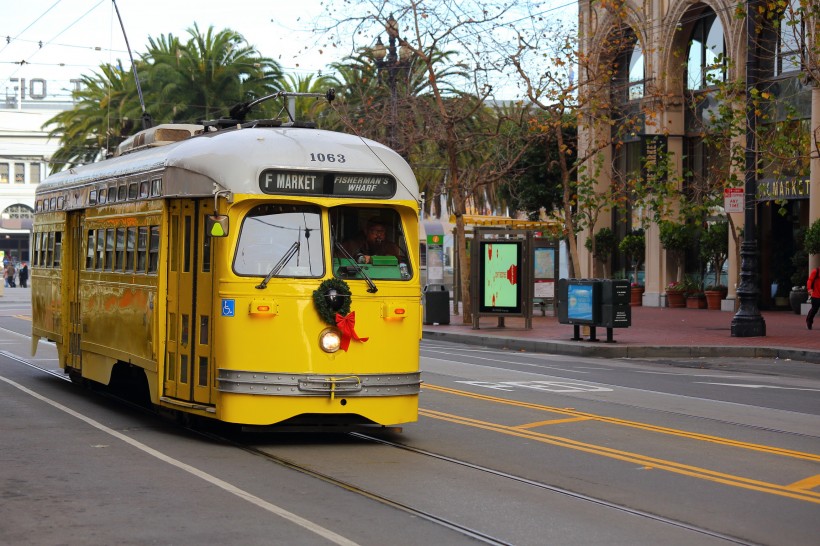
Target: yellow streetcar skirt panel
253, 409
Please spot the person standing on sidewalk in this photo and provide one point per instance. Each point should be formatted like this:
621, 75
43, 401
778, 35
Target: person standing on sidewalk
813, 286
8, 275
22, 274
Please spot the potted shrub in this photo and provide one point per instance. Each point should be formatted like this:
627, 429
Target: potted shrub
800, 259
811, 241
634, 246
715, 293
602, 246
714, 248
676, 238
695, 297
676, 294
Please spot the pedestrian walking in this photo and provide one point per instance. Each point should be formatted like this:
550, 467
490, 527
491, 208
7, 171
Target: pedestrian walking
8, 275
813, 286
22, 275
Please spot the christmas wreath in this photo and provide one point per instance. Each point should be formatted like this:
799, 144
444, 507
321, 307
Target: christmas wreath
332, 298
332, 301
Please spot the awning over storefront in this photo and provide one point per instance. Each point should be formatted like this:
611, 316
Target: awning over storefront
544, 226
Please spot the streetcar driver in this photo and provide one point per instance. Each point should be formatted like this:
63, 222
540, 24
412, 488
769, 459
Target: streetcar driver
373, 242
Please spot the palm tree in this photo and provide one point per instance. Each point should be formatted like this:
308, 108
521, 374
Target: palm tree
209, 74
105, 107
189, 82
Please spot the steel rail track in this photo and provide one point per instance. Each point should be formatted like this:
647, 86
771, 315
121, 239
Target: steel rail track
427, 516
556, 489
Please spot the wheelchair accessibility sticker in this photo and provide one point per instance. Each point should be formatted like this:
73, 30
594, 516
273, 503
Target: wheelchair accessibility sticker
228, 308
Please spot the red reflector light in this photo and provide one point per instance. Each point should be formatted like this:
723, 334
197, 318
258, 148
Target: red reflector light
399, 311
263, 308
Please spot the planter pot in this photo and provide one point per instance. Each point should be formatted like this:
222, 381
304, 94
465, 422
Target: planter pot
696, 302
713, 299
675, 299
636, 296
797, 298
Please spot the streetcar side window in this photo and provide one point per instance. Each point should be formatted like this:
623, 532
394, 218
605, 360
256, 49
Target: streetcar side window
100, 249
282, 239
89, 250
120, 249
37, 247
129, 249
153, 250
109, 249
49, 246
142, 248
58, 247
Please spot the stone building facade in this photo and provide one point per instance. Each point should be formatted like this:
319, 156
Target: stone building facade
675, 55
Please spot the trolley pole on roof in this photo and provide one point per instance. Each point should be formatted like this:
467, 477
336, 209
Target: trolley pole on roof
147, 122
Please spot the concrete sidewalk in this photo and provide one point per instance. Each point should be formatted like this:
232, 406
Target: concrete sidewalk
655, 332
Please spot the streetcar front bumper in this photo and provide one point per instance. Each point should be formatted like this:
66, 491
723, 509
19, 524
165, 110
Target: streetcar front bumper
279, 384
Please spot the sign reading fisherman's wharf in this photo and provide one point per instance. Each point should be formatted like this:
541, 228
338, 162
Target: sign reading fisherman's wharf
274, 181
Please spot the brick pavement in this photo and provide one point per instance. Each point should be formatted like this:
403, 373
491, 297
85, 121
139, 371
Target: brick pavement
655, 331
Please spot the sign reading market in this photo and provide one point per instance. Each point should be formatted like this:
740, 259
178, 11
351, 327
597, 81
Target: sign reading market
773, 190
278, 182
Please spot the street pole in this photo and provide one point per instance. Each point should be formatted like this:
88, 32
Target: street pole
391, 60
748, 322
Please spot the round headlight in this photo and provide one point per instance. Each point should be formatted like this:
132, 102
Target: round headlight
330, 340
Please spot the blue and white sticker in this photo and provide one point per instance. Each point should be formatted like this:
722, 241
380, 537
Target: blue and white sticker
228, 308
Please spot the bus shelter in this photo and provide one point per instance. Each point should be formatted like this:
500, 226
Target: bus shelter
511, 268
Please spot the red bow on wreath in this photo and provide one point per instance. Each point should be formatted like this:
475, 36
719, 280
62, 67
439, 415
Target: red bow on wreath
346, 325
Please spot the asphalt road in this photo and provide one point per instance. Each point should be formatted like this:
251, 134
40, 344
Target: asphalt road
510, 448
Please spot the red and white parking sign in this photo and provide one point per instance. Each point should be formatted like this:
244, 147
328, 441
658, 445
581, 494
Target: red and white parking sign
733, 199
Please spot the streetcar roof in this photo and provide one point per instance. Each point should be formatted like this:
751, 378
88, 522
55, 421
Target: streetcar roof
234, 159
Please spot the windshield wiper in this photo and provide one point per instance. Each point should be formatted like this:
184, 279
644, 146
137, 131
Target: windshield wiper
292, 251
371, 287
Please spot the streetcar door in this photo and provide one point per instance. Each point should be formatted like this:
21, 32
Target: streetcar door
72, 257
188, 369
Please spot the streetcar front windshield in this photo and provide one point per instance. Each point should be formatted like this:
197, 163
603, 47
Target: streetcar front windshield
280, 238
369, 242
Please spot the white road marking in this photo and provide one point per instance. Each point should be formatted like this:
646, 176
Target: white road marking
549, 386
265, 505
747, 386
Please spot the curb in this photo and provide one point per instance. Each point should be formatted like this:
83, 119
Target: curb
602, 349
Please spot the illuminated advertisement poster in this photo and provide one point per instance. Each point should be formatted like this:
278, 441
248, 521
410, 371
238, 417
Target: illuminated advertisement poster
500, 277
579, 302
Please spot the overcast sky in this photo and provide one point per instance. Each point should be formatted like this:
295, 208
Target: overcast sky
62, 39
79, 35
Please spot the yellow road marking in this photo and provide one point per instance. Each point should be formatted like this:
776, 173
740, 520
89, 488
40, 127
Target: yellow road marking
553, 422
635, 458
808, 483
23, 317
622, 422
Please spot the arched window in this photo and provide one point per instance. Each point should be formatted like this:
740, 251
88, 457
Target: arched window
18, 211
630, 75
706, 64
791, 40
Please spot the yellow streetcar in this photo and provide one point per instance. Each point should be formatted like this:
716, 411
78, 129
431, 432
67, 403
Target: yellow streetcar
259, 274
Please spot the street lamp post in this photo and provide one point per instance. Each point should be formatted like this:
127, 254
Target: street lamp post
748, 322
389, 59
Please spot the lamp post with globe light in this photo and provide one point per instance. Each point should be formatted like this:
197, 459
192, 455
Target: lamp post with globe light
391, 61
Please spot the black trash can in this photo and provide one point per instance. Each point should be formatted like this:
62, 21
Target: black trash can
436, 301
